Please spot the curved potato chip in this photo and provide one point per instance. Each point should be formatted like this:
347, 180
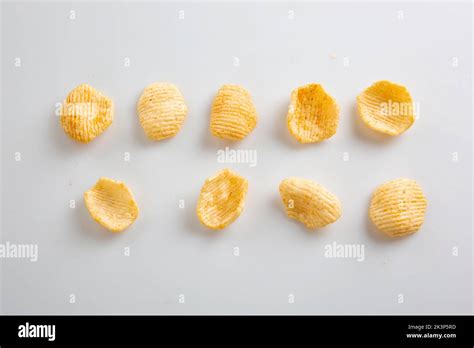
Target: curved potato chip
222, 199
111, 204
398, 207
86, 113
386, 107
313, 115
233, 115
161, 110
309, 202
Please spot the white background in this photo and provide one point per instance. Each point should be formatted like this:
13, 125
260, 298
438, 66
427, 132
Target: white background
171, 253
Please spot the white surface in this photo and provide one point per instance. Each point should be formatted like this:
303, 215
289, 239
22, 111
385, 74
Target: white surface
171, 254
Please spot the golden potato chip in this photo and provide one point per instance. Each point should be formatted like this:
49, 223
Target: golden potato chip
222, 199
86, 113
111, 204
386, 107
161, 110
313, 115
233, 115
398, 207
309, 202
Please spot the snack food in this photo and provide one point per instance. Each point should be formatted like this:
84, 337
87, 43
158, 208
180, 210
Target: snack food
233, 115
398, 207
111, 204
161, 110
86, 113
386, 107
313, 115
222, 199
309, 202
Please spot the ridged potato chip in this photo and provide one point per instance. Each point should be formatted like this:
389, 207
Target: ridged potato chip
313, 115
111, 204
386, 107
222, 199
309, 202
233, 115
398, 207
161, 110
86, 113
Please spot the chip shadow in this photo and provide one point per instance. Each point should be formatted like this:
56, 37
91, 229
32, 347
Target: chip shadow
377, 235
89, 227
310, 233
365, 133
192, 225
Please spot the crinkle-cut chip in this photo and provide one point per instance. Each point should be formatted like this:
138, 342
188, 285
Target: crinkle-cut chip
233, 115
386, 107
309, 202
111, 204
398, 207
222, 199
313, 115
86, 113
161, 110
